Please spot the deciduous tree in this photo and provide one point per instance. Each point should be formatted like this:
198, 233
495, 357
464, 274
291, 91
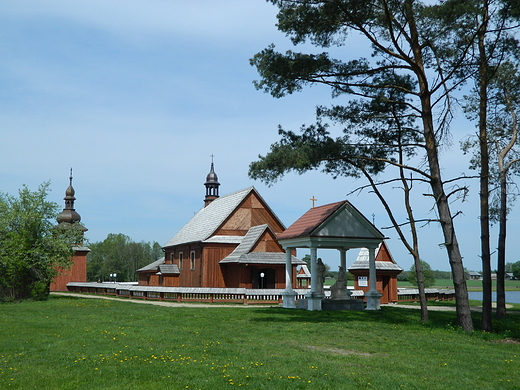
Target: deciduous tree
31, 247
427, 274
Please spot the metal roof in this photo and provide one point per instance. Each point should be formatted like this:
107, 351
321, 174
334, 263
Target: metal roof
309, 221
335, 225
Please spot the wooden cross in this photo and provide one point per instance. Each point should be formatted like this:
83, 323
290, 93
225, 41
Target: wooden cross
212, 155
313, 200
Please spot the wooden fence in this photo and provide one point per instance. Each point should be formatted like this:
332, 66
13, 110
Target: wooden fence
227, 295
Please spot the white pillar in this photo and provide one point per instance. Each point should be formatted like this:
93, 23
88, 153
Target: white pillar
314, 270
343, 264
373, 296
343, 258
288, 269
314, 297
288, 295
372, 269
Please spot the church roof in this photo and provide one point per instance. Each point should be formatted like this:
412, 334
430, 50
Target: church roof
362, 261
208, 219
243, 254
304, 272
152, 266
169, 269
247, 243
262, 258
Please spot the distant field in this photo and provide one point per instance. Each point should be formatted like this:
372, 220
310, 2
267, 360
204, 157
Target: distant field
474, 285
78, 343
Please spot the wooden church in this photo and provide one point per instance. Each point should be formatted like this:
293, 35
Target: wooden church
386, 273
69, 219
230, 243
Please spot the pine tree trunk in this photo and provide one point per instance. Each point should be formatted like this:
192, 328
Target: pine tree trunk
441, 200
484, 178
501, 259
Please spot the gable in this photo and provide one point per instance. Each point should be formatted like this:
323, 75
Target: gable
207, 220
252, 211
347, 222
383, 254
267, 243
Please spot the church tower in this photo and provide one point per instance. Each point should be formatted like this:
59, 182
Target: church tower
69, 216
212, 185
67, 219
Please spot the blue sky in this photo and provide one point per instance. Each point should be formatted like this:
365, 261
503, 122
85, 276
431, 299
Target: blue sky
136, 95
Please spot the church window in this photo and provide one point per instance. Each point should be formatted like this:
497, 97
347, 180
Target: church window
192, 260
180, 260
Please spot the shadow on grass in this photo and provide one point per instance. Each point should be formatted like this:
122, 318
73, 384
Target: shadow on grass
506, 327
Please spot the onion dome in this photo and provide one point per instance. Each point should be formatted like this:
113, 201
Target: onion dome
212, 186
69, 214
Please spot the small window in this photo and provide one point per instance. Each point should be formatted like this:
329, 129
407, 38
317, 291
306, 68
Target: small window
192, 260
180, 260
172, 255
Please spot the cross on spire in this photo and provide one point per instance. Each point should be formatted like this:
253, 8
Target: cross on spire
313, 200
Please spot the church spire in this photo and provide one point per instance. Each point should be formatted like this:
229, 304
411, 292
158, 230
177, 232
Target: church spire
212, 185
69, 214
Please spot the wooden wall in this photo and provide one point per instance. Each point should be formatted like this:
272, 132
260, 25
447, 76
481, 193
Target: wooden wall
251, 212
386, 284
77, 273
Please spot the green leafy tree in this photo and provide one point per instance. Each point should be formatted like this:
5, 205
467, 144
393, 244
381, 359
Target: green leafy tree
515, 268
409, 79
427, 274
31, 247
119, 255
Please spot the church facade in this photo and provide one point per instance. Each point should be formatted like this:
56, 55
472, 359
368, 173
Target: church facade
230, 243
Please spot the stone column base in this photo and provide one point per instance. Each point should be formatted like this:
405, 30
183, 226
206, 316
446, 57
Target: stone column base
314, 300
289, 299
373, 300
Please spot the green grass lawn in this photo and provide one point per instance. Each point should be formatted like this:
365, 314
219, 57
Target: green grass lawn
77, 343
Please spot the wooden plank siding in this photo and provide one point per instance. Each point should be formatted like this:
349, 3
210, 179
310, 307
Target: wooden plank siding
267, 243
251, 212
77, 272
212, 271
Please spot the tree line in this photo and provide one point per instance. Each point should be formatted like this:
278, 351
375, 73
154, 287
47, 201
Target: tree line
119, 255
33, 247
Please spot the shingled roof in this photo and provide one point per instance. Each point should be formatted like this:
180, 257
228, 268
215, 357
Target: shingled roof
243, 254
208, 219
152, 266
362, 261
